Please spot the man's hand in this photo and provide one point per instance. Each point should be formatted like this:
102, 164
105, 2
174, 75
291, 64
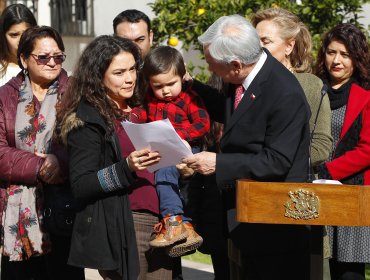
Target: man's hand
203, 163
184, 170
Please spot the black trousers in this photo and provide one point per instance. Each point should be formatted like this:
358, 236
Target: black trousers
52, 266
33, 269
57, 261
284, 266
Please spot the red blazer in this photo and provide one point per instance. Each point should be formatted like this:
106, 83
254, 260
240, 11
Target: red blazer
357, 159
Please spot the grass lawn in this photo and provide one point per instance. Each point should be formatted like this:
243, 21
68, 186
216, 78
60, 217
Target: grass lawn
199, 257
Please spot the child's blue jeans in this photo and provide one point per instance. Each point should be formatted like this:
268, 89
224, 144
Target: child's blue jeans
167, 184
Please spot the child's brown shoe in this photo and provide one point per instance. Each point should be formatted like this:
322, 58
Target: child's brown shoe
169, 231
193, 241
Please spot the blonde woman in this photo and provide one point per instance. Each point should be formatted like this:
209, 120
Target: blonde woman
289, 41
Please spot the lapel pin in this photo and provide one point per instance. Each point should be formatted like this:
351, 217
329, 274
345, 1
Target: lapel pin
253, 96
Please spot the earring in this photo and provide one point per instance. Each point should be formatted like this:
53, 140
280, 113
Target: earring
25, 71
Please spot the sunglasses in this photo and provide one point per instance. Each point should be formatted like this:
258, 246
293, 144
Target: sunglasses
43, 59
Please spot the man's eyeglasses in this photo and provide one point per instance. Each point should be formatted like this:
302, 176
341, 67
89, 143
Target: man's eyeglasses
44, 59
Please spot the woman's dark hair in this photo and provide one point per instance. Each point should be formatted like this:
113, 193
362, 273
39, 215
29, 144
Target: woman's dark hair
13, 14
163, 59
29, 37
357, 47
87, 81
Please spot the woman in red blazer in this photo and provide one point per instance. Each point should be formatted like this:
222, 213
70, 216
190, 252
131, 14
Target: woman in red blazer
343, 64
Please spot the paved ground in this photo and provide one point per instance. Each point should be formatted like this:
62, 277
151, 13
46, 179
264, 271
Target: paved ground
191, 270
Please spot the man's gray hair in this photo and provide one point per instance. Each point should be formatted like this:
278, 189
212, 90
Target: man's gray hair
232, 38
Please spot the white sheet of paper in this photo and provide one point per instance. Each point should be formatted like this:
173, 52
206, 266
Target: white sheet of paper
158, 136
324, 181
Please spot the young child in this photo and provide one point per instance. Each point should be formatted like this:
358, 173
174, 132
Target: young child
164, 69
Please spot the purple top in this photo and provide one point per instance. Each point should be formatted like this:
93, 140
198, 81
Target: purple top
143, 196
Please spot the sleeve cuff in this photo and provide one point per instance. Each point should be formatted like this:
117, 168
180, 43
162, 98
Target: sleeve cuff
116, 177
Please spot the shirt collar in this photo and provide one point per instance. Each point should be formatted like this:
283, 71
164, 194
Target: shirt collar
248, 80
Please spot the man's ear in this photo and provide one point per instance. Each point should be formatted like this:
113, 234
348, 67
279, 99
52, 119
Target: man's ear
236, 66
151, 35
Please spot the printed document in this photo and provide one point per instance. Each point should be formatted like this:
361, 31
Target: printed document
159, 136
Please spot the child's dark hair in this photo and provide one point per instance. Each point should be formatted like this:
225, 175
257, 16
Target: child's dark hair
163, 59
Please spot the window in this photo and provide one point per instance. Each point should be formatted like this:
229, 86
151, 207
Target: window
31, 4
72, 17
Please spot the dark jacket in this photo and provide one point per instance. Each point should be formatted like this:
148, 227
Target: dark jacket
17, 166
103, 235
265, 139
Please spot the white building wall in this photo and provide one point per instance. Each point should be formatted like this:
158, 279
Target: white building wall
106, 10
43, 13
74, 47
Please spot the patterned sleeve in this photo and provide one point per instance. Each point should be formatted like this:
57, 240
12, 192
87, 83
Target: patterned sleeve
88, 179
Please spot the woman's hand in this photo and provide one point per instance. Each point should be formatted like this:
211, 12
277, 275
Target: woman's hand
140, 160
50, 171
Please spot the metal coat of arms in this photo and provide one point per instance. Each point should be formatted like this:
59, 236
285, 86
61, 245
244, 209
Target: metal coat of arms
303, 205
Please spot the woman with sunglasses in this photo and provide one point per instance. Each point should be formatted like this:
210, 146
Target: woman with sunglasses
14, 20
28, 161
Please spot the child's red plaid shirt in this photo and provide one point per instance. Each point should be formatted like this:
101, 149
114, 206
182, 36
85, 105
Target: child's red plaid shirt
187, 114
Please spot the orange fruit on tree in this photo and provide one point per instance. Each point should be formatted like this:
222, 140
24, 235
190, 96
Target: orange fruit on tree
173, 41
201, 11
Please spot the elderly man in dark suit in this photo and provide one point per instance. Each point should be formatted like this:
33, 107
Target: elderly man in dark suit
266, 138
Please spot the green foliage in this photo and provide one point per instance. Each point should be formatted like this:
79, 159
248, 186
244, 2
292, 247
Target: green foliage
184, 18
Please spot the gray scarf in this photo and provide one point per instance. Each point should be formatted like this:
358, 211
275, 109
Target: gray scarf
22, 219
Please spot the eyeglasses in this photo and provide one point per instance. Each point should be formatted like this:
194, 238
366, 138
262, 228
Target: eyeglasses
43, 59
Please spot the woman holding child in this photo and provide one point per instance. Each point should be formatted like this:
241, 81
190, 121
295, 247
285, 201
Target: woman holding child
103, 161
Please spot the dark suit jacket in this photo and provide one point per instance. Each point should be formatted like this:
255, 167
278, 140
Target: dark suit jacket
265, 139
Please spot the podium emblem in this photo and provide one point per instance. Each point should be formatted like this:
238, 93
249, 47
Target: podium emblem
303, 205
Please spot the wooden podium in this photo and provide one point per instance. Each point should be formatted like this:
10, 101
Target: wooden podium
338, 205
304, 204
